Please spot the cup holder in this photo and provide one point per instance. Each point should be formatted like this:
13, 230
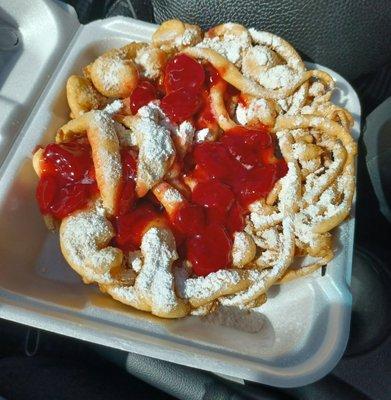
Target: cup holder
9, 39
10, 42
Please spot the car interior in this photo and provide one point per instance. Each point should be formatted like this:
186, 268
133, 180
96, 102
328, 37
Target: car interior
351, 38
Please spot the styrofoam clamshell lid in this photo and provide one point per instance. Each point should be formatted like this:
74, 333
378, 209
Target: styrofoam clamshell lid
34, 39
297, 337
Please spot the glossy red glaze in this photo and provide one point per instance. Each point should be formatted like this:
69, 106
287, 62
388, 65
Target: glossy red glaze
205, 117
246, 145
213, 158
282, 167
229, 174
226, 175
46, 192
129, 163
129, 171
235, 220
211, 75
70, 161
189, 219
67, 180
181, 104
182, 72
244, 160
130, 227
216, 197
142, 95
186, 94
255, 184
210, 250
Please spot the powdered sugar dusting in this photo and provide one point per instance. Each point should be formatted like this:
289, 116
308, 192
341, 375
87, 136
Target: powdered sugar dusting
299, 149
82, 235
206, 287
203, 135
149, 61
257, 285
110, 72
113, 108
109, 161
243, 249
171, 196
183, 136
256, 110
270, 238
190, 36
159, 139
263, 56
290, 192
156, 148
316, 89
328, 204
264, 221
317, 182
239, 247
126, 137
279, 45
263, 279
135, 260
230, 46
303, 230
280, 76
290, 186
155, 281
297, 100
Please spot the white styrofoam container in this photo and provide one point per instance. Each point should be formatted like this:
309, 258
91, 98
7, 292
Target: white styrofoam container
302, 329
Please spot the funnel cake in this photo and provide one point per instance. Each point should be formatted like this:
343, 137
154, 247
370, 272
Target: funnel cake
198, 170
